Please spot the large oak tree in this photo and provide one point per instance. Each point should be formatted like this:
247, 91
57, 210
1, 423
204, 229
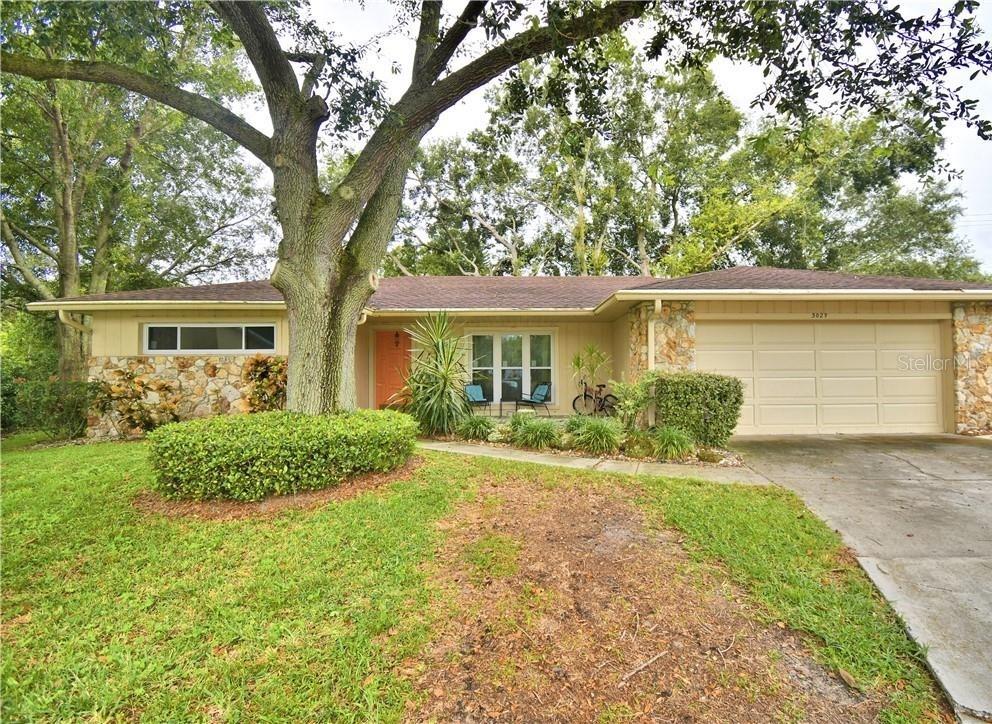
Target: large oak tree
333, 242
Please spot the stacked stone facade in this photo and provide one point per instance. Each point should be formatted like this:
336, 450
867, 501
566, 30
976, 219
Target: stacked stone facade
206, 385
973, 368
674, 337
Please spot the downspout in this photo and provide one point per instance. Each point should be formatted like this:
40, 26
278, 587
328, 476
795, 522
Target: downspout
68, 321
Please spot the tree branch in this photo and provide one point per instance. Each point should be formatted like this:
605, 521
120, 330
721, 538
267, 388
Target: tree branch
452, 39
20, 262
192, 104
430, 19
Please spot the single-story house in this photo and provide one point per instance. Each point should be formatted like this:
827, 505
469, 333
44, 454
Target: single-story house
818, 352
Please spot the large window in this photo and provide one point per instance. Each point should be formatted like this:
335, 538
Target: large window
511, 364
172, 338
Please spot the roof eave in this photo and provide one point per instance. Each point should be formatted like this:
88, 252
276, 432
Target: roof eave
800, 294
80, 305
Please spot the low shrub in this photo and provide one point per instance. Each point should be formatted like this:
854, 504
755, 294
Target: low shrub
705, 405
576, 422
638, 444
520, 418
598, 436
265, 383
9, 419
534, 432
671, 443
708, 455
248, 457
475, 427
57, 408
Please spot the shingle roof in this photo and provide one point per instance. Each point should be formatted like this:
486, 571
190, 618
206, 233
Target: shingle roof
769, 277
514, 293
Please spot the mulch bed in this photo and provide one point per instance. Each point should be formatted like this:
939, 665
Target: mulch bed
605, 619
148, 501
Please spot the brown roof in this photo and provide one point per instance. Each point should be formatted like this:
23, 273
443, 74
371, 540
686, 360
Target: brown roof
513, 293
769, 277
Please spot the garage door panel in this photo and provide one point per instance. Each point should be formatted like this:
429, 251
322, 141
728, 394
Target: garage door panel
787, 414
784, 333
910, 413
787, 387
738, 361
786, 359
834, 387
844, 333
910, 386
724, 334
823, 376
847, 359
853, 414
908, 334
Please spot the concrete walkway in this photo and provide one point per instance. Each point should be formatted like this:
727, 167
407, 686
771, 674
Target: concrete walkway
629, 467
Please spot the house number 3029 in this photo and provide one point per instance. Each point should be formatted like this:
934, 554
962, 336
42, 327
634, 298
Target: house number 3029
818, 315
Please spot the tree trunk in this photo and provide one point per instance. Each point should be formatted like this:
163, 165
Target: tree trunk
74, 352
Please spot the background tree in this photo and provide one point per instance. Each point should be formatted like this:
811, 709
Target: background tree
103, 189
865, 54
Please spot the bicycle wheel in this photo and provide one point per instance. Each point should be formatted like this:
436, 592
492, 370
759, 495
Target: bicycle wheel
609, 407
584, 404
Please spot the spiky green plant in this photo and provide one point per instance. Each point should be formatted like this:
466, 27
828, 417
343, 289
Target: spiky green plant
672, 443
535, 432
475, 427
598, 436
434, 393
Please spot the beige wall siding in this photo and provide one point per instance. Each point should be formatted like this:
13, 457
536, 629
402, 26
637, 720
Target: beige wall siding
117, 334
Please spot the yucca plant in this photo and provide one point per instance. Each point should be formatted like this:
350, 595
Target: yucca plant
434, 393
475, 427
672, 443
598, 436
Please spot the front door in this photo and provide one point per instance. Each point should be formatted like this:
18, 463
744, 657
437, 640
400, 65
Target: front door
392, 363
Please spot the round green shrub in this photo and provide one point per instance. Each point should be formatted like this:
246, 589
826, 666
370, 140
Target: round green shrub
598, 436
475, 427
248, 457
576, 422
534, 432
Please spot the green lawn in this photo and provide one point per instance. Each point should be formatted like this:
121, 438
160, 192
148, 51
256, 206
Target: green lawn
112, 613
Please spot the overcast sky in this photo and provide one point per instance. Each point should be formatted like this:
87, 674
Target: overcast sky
964, 150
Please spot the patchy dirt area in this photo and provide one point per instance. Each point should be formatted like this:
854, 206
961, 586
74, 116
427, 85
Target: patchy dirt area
567, 607
148, 501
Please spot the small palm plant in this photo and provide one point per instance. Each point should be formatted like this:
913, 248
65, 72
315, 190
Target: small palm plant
434, 393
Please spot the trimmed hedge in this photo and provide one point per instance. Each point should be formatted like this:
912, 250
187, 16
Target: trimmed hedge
705, 405
248, 457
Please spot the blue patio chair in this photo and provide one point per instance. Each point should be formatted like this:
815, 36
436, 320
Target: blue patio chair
538, 398
476, 397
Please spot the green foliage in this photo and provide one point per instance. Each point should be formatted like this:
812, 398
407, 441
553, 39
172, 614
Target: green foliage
535, 432
57, 408
671, 443
265, 383
706, 406
476, 427
587, 364
248, 457
638, 444
126, 403
633, 399
435, 388
28, 345
519, 418
492, 556
598, 436
574, 423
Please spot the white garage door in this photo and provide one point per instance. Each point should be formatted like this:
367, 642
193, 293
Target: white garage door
810, 377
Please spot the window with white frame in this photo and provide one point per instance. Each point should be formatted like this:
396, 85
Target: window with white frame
510, 364
209, 338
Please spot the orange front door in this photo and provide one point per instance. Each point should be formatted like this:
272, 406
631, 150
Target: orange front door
392, 363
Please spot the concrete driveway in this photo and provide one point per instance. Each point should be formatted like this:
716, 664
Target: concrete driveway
917, 510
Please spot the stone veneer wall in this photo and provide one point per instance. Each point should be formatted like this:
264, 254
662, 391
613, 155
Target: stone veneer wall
973, 367
674, 337
207, 385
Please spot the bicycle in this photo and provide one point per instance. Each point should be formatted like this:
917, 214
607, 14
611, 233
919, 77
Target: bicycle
596, 403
